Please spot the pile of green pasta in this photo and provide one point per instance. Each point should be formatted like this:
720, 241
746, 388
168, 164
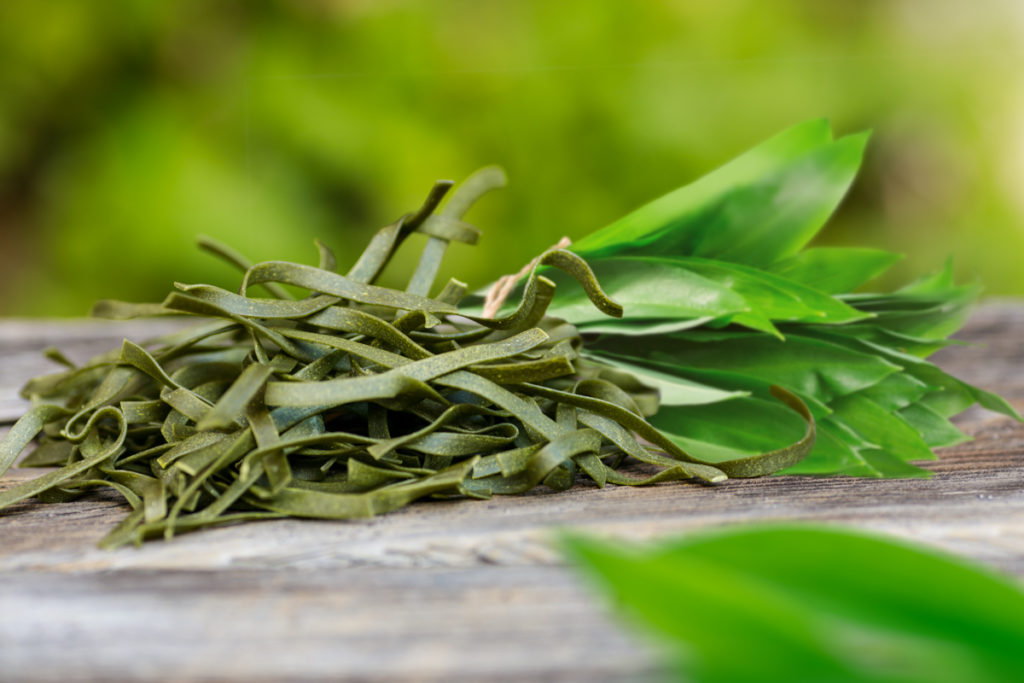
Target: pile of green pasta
350, 401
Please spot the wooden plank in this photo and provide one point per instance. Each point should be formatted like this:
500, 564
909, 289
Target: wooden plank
22, 343
508, 623
973, 506
455, 590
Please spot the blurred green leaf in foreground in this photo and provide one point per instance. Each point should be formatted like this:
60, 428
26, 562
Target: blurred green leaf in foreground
805, 603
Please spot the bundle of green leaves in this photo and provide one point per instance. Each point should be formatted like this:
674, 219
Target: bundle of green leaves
701, 312
723, 299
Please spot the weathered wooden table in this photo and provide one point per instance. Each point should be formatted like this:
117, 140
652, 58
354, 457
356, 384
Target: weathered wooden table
463, 590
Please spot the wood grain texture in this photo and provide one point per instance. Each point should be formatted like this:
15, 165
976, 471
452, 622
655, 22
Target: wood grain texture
22, 341
455, 590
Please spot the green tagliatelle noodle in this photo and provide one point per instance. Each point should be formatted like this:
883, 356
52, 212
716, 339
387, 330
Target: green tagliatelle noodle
353, 401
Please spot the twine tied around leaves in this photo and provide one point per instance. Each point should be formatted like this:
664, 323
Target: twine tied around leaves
500, 290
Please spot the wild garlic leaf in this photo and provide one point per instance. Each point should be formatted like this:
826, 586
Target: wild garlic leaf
896, 391
803, 604
738, 382
882, 427
765, 205
937, 283
668, 213
645, 290
773, 297
931, 315
835, 270
821, 369
718, 432
641, 326
767, 296
673, 390
902, 343
836, 451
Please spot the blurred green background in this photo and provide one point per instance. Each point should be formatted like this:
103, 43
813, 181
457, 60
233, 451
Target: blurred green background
127, 129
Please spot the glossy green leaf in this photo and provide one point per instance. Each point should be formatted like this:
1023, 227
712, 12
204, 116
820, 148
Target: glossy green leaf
837, 451
769, 295
930, 315
647, 290
673, 390
640, 326
719, 432
763, 206
834, 270
820, 369
896, 391
882, 427
663, 214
